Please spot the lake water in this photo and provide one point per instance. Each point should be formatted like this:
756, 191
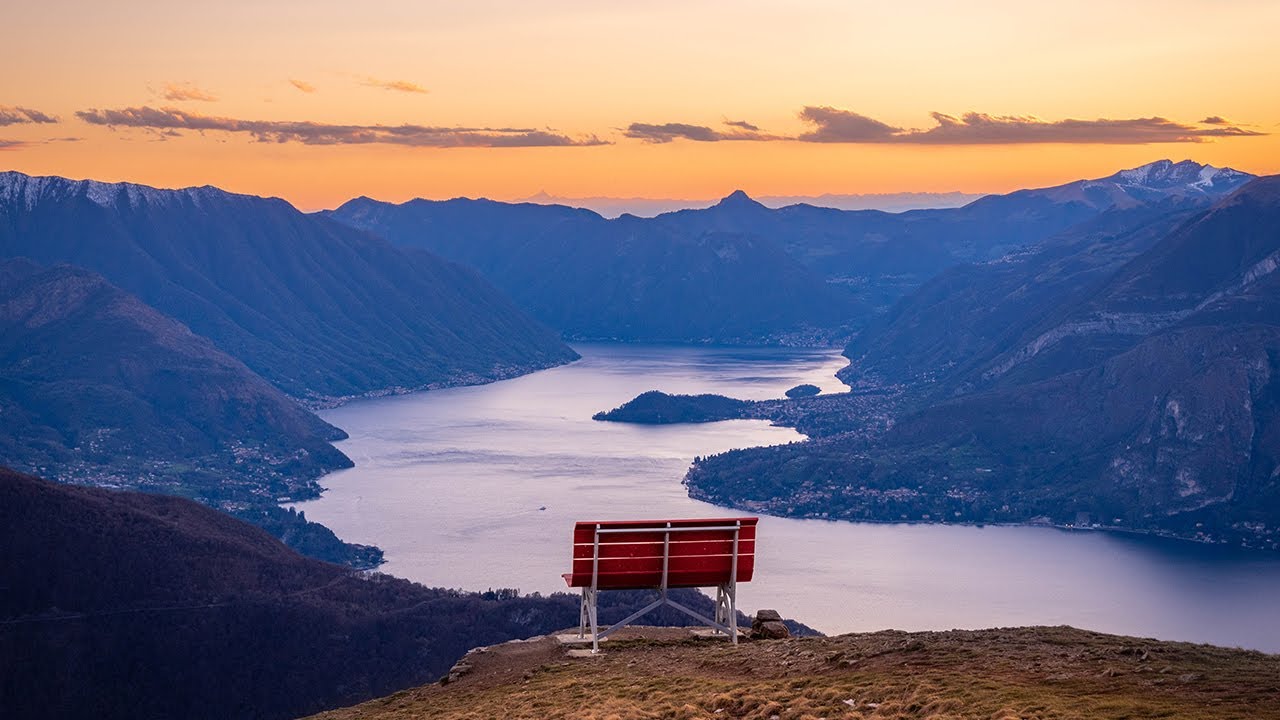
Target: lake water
479, 487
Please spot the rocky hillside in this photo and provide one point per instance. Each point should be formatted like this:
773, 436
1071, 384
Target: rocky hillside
1056, 672
320, 310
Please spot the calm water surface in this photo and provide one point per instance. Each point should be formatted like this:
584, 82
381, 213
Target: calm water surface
479, 487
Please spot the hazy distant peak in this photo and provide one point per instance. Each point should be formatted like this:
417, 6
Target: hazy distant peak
738, 199
649, 207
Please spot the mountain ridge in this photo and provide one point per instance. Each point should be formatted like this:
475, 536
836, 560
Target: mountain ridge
624, 279
837, 270
320, 310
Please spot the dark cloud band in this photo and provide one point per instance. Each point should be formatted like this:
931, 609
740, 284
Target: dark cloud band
667, 132
167, 120
833, 125
842, 126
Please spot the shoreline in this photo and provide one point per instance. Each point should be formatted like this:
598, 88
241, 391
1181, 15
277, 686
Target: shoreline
1096, 528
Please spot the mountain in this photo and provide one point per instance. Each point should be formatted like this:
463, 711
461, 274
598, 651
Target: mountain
739, 271
1165, 178
90, 375
1215, 268
1142, 395
626, 279
320, 310
973, 323
96, 387
881, 256
128, 605
941, 338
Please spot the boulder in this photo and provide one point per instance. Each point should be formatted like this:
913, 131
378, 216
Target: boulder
768, 625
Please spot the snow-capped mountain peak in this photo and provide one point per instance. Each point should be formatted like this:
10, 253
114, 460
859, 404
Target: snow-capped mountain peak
1185, 176
29, 190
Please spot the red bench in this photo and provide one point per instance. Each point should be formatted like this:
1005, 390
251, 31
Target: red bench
660, 555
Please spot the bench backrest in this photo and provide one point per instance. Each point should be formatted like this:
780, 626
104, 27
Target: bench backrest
633, 554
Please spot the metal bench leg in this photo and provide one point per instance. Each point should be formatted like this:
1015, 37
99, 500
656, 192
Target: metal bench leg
589, 596
582, 615
733, 611
727, 609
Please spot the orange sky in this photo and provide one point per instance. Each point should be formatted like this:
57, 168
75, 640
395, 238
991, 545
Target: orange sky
581, 70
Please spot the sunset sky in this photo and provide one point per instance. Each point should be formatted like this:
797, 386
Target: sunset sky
321, 101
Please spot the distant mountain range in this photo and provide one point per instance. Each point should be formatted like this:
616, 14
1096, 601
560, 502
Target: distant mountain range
1114, 376
612, 207
627, 279
739, 271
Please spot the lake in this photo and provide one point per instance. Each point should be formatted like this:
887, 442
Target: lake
479, 487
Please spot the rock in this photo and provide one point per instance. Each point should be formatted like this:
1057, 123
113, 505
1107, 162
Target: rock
462, 667
767, 625
769, 630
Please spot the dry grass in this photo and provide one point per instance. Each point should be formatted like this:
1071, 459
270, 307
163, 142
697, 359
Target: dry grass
989, 674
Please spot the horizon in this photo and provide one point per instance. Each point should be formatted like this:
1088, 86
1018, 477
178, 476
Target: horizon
505, 100
892, 201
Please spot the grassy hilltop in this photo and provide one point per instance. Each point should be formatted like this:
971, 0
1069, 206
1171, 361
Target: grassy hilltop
1039, 672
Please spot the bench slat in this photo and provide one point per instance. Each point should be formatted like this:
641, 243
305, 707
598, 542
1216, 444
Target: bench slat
646, 549
648, 530
643, 580
720, 564
586, 536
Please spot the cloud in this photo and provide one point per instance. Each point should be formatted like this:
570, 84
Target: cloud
12, 145
13, 115
397, 85
1215, 120
302, 85
170, 120
842, 126
186, 91
667, 132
